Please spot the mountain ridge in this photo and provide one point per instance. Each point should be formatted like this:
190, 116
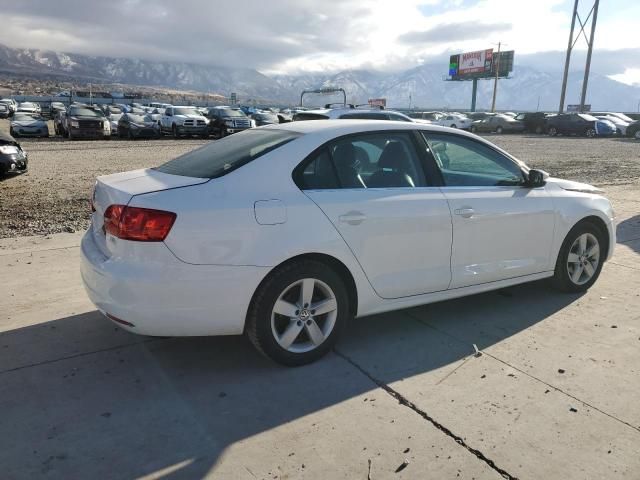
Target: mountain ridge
421, 86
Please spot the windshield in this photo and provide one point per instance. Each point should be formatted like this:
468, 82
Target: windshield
21, 117
267, 117
223, 156
228, 112
185, 111
136, 118
83, 112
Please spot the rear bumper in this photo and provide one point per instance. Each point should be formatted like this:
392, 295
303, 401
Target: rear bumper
164, 296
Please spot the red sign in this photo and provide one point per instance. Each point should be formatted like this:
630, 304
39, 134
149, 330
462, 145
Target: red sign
475, 62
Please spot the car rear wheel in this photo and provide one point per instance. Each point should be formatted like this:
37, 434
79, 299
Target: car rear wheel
453, 125
553, 131
580, 259
637, 135
538, 129
298, 312
590, 133
499, 130
174, 131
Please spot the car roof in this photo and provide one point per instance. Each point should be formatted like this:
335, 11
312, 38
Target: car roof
339, 127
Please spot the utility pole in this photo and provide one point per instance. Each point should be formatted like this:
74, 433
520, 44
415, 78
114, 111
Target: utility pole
568, 58
588, 66
572, 44
495, 83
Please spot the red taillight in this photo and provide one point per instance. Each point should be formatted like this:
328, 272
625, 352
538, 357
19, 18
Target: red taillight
140, 224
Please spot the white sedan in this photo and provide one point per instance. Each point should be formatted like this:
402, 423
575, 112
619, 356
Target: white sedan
286, 232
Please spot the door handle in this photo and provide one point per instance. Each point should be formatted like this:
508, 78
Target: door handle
465, 212
352, 218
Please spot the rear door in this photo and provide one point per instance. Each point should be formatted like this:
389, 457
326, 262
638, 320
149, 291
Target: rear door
501, 228
379, 195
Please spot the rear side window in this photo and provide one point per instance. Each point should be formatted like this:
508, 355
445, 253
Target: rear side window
223, 156
319, 174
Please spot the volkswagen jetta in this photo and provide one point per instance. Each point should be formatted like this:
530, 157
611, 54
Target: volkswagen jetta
285, 232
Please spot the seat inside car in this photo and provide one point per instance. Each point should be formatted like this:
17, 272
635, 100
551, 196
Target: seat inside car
393, 168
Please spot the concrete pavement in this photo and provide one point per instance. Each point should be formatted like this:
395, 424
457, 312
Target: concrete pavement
553, 393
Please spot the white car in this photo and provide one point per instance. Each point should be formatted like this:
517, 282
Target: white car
348, 113
180, 121
454, 121
285, 232
28, 107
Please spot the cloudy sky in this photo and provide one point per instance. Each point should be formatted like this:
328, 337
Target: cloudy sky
292, 36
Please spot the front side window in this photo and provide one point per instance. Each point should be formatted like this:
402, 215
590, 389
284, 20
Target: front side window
375, 160
467, 163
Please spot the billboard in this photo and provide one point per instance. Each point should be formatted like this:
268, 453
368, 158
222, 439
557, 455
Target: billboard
475, 62
378, 102
480, 64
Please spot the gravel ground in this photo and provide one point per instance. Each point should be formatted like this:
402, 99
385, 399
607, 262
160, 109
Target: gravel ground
54, 195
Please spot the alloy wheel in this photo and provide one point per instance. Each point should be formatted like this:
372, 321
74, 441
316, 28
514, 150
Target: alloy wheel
304, 315
583, 258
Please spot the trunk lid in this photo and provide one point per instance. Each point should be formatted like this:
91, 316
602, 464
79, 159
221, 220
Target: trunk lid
120, 188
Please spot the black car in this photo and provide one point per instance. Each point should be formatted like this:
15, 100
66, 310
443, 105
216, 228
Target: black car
265, 118
12, 158
133, 126
224, 121
535, 122
633, 130
82, 121
5, 112
576, 124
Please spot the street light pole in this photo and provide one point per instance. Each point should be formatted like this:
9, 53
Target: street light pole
495, 83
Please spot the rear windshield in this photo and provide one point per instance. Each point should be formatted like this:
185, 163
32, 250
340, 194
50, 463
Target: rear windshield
223, 156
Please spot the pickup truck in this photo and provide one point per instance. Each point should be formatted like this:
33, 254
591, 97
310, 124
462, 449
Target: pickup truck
180, 121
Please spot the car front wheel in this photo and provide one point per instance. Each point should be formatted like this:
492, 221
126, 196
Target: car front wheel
580, 259
499, 130
591, 133
553, 131
297, 313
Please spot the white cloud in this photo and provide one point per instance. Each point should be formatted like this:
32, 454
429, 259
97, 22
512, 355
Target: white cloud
288, 36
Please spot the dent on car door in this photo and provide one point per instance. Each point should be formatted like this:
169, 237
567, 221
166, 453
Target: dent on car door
501, 228
374, 190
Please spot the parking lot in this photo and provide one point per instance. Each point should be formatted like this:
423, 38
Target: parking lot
551, 392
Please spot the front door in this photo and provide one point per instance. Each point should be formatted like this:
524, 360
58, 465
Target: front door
501, 228
373, 188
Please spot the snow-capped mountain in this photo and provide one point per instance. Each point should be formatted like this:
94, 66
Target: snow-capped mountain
423, 86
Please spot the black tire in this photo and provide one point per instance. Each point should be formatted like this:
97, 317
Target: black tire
453, 125
590, 132
130, 135
538, 129
637, 135
259, 318
174, 131
553, 131
561, 279
473, 129
12, 133
499, 130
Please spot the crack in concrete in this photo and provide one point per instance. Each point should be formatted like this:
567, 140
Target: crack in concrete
402, 400
533, 377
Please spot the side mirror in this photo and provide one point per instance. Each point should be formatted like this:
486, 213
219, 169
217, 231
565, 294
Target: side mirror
537, 178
